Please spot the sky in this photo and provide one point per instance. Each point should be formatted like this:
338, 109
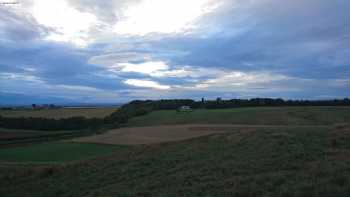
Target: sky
93, 51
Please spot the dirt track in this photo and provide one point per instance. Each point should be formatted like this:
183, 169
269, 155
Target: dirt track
159, 134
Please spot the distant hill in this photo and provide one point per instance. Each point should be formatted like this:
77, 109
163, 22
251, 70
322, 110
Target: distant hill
14, 99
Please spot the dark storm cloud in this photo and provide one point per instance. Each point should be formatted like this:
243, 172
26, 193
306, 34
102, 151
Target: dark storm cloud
54, 64
301, 38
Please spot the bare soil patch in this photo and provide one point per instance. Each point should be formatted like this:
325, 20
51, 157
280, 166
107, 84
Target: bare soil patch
341, 130
5, 135
339, 139
8, 135
168, 133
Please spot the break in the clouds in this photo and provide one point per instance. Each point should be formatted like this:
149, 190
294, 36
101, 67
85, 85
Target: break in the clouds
119, 50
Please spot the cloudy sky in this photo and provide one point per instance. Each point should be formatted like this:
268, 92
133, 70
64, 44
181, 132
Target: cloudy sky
93, 51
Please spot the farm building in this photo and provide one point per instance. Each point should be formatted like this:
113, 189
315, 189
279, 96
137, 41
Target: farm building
184, 109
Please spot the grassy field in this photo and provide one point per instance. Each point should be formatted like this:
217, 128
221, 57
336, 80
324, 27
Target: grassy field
255, 116
262, 162
253, 161
54, 152
60, 113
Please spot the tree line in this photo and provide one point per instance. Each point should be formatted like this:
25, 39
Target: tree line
48, 124
139, 108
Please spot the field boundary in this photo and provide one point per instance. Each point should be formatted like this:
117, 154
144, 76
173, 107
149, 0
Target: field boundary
172, 133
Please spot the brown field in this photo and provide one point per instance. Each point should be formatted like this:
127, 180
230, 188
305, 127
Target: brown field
15, 133
160, 134
60, 113
9, 135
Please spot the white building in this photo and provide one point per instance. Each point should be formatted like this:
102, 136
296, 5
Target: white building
184, 109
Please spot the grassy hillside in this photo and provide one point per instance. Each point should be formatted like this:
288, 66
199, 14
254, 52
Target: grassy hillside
257, 115
60, 113
262, 162
249, 161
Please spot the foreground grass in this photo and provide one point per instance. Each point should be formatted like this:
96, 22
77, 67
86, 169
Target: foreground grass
54, 152
60, 113
256, 116
263, 162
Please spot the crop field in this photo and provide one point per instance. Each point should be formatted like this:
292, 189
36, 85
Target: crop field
280, 151
60, 113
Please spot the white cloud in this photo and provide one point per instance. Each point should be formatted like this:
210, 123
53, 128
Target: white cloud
179, 72
69, 24
237, 79
78, 88
146, 84
162, 16
340, 83
158, 69
108, 60
19, 76
144, 68
84, 22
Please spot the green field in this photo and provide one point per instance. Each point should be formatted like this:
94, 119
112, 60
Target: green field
60, 113
264, 162
54, 152
255, 116
251, 161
